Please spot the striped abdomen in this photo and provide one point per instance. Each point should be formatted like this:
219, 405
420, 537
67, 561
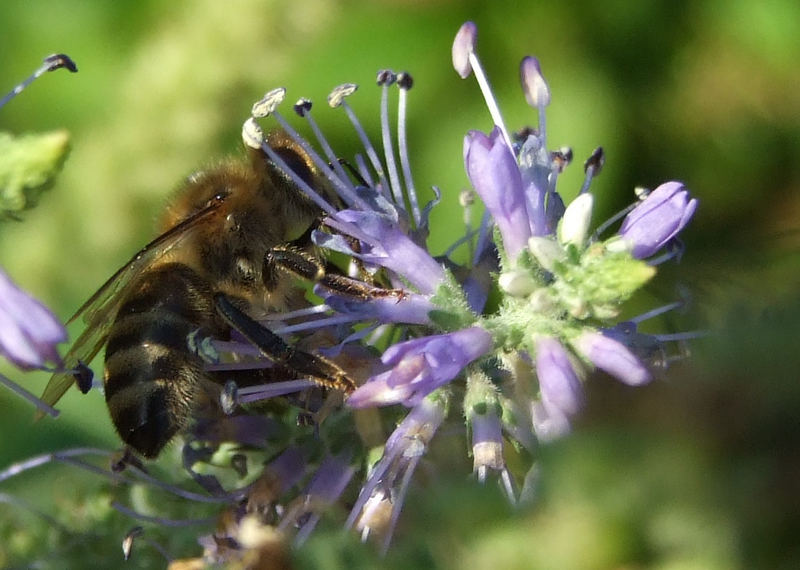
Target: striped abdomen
151, 377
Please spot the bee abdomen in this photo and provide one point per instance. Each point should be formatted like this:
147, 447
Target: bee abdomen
151, 376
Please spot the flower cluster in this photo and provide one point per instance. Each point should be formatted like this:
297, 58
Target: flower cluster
507, 339
521, 363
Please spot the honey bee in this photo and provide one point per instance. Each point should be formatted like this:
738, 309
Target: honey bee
218, 266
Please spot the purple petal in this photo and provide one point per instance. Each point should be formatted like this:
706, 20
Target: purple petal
658, 219
395, 250
421, 365
558, 383
613, 357
29, 332
494, 173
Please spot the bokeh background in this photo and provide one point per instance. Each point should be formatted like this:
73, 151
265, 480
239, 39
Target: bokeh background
699, 470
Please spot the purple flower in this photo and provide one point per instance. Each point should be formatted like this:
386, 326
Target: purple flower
548, 426
29, 332
384, 243
421, 365
487, 442
558, 383
494, 173
658, 219
378, 505
613, 357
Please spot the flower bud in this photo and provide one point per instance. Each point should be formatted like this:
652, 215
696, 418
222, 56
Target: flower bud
575, 223
658, 219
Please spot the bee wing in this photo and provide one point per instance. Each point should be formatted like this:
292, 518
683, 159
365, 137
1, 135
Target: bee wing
101, 308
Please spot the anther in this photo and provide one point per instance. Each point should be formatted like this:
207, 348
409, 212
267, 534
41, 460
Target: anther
83, 377
127, 542
302, 106
537, 93
592, 167
463, 46
404, 80
59, 60
521, 135
252, 135
50, 63
268, 103
561, 158
595, 161
385, 77
337, 96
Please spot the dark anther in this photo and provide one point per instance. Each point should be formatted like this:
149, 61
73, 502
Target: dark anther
386, 77
522, 134
302, 106
595, 161
59, 60
404, 80
562, 157
83, 377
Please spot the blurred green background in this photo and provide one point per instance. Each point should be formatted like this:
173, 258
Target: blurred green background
700, 470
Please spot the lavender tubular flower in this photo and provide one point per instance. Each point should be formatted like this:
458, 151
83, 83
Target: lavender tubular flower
658, 219
613, 357
392, 248
29, 332
421, 365
495, 175
381, 499
558, 383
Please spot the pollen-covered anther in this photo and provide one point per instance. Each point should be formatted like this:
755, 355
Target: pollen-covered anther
562, 157
252, 135
385, 77
405, 80
337, 96
302, 106
595, 161
268, 103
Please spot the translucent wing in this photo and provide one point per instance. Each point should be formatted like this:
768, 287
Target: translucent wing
101, 308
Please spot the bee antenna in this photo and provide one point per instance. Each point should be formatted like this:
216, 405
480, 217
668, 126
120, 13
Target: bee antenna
50, 63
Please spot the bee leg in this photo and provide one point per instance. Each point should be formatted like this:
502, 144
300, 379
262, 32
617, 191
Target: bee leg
317, 368
307, 267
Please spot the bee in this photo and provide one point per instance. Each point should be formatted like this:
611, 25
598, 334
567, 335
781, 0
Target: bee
217, 267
